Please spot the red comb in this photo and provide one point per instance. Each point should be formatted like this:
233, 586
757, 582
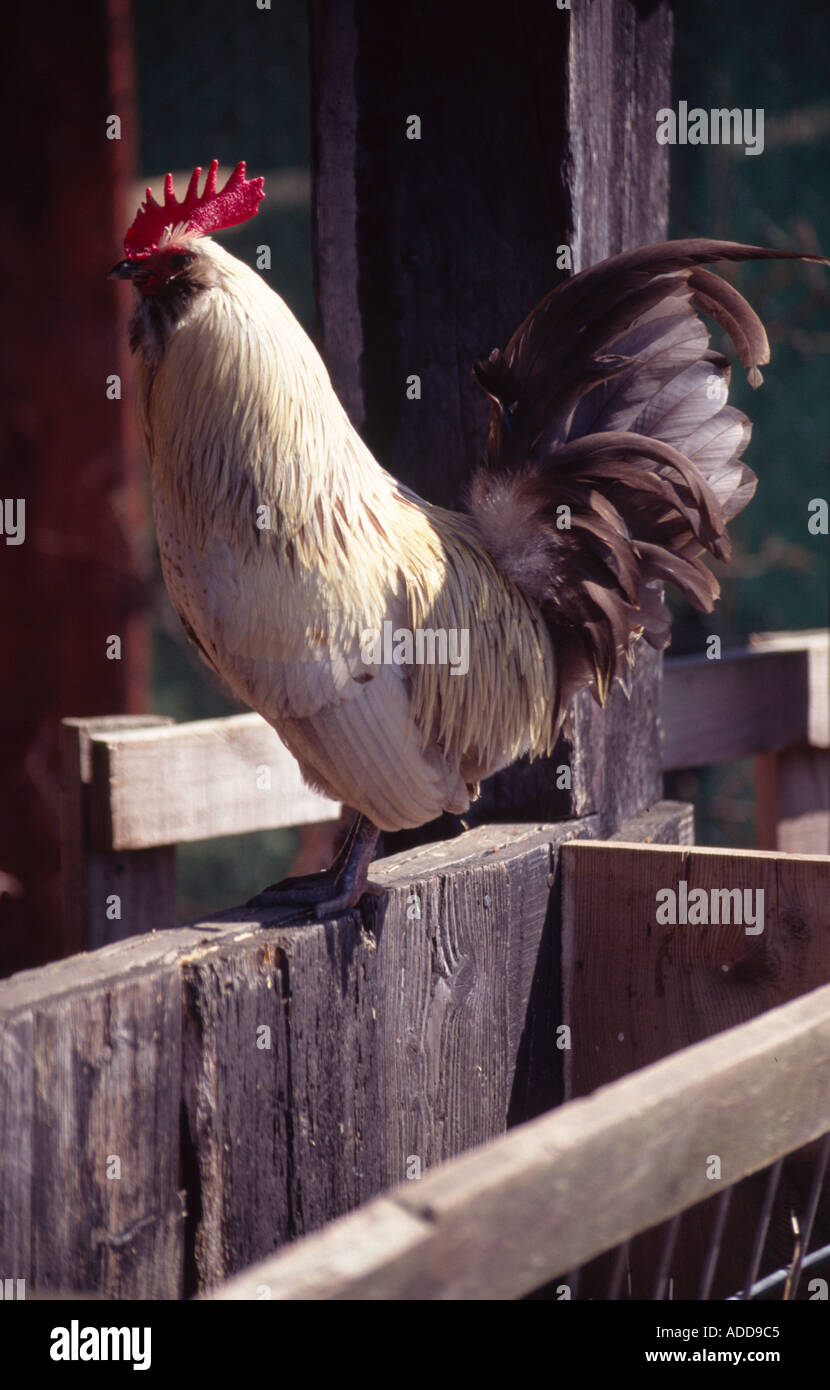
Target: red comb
196, 214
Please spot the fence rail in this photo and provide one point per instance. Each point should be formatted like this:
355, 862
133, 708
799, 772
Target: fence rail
770, 701
771, 695
135, 788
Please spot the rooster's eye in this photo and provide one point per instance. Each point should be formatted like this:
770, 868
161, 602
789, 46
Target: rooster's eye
179, 260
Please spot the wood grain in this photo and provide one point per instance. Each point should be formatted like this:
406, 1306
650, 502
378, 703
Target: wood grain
506, 1218
396, 1039
406, 1033
194, 781
92, 1077
663, 987
766, 697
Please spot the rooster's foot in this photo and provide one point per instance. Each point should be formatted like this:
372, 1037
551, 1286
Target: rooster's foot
335, 889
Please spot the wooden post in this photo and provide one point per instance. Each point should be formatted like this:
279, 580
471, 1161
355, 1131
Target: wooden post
792, 791
792, 781
453, 153
108, 894
68, 448
90, 1103
133, 787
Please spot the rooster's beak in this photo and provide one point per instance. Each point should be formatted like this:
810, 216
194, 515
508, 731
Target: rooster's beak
125, 270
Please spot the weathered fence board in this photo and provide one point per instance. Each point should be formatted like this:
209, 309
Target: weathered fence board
105, 1202
194, 781
665, 823
398, 1037
89, 1163
508, 1217
134, 787
276, 1120
814, 644
665, 986
395, 1042
772, 695
17, 1130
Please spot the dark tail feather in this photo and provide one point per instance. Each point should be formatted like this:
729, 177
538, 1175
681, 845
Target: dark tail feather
613, 456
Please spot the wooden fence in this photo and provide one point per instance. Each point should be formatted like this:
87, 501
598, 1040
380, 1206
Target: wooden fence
770, 701
135, 788
544, 1199
178, 1105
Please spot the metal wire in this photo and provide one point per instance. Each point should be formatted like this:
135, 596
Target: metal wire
618, 1272
753, 1287
715, 1240
772, 1281
666, 1256
809, 1219
763, 1228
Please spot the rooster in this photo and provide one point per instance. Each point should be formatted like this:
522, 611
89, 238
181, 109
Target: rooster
612, 465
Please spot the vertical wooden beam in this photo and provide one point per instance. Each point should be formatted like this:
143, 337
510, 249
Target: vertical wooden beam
792, 785
792, 794
67, 448
536, 131
766, 801
618, 184
619, 175
143, 881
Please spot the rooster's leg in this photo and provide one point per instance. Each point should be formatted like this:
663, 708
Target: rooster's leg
335, 889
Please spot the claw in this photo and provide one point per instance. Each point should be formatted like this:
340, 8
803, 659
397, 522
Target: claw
336, 889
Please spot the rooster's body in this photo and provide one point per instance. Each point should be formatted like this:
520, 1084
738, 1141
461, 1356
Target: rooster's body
613, 463
280, 613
